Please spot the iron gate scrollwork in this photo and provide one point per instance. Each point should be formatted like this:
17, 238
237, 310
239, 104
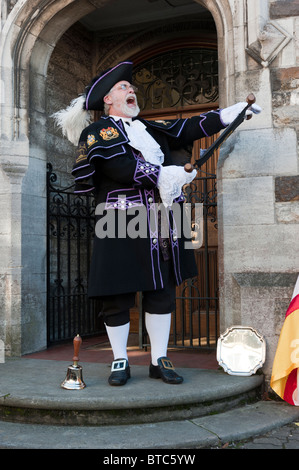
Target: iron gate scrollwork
70, 231
196, 319
180, 77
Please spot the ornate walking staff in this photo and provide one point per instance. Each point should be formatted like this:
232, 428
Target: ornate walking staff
224, 135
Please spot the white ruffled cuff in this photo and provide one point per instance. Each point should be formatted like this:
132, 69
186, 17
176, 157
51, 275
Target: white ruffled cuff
171, 180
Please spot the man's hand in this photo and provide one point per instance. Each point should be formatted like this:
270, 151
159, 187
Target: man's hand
228, 115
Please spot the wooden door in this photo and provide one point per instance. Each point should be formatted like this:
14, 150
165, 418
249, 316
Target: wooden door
195, 319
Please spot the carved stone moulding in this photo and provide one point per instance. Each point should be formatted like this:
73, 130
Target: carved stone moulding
270, 42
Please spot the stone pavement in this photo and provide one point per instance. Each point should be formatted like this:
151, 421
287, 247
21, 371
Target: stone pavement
285, 437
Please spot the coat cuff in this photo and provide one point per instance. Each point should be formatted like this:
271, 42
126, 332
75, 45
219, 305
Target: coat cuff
146, 174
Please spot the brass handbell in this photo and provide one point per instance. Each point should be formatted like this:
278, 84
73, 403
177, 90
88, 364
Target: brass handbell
74, 377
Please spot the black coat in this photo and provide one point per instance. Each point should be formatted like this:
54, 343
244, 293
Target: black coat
123, 183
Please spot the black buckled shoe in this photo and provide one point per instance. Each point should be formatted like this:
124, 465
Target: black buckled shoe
165, 371
120, 372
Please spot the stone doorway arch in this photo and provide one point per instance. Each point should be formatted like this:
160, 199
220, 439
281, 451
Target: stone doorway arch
30, 33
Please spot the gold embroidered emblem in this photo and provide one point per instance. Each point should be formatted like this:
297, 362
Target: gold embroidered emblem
109, 133
91, 140
163, 122
81, 153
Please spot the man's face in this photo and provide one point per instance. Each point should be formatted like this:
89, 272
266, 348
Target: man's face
122, 100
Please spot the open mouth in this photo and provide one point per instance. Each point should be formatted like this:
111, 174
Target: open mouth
131, 101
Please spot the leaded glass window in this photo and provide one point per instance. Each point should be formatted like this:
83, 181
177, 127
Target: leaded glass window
177, 78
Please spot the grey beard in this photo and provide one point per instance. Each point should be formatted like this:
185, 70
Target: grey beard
129, 112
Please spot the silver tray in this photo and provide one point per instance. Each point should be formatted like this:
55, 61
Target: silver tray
241, 350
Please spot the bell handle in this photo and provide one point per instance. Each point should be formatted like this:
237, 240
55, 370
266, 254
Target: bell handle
77, 343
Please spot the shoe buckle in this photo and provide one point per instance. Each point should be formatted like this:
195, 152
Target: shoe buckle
167, 364
118, 365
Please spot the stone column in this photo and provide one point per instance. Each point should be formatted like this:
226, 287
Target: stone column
29, 32
13, 168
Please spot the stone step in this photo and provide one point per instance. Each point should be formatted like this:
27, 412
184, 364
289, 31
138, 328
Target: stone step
30, 392
200, 433
208, 410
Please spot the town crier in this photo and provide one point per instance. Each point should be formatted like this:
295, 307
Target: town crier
132, 164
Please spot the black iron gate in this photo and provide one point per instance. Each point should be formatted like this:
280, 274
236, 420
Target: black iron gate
69, 243
70, 231
196, 319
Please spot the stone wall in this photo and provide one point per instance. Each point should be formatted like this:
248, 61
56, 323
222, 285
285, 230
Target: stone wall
284, 8
258, 181
70, 70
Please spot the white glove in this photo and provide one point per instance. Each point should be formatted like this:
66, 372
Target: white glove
228, 115
171, 180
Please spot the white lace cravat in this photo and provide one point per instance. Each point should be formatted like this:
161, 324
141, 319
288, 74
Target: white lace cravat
141, 140
172, 178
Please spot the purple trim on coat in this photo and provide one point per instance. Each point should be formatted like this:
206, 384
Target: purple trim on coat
175, 250
85, 176
183, 124
79, 168
111, 156
204, 117
137, 154
146, 172
121, 200
106, 146
85, 190
154, 241
154, 125
119, 125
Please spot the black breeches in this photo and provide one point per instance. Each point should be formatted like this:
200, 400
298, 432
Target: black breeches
116, 308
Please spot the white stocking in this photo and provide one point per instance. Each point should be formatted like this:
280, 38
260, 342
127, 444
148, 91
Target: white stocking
158, 328
118, 337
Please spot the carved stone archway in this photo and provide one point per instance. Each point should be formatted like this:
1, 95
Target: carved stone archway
29, 35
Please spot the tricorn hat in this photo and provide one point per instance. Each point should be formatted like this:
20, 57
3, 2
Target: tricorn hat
76, 116
102, 84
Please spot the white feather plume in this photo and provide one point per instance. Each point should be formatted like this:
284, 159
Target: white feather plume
73, 119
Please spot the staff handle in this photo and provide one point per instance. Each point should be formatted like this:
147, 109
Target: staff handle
188, 167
